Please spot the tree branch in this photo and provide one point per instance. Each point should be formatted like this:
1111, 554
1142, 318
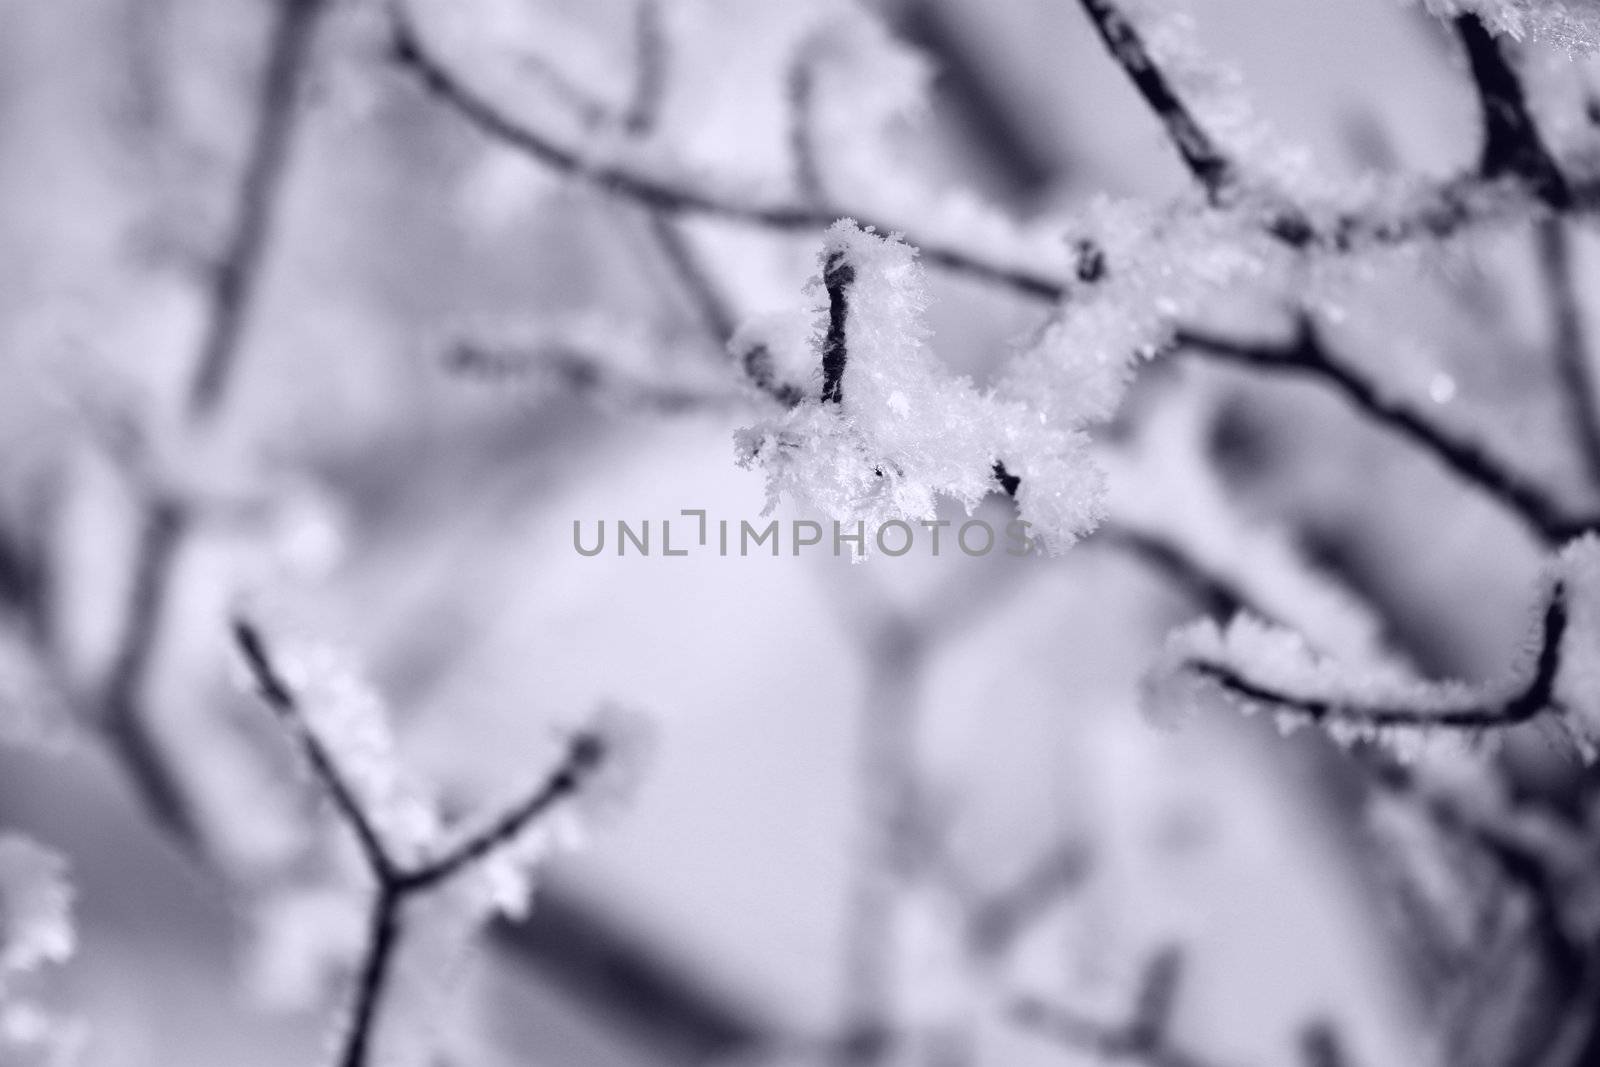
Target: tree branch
234, 281
1306, 354
1200, 154
837, 277
1512, 145
1535, 696
396, 882
667, 194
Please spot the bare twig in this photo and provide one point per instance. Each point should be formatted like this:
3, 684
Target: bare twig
398, 882
837, 276
164, 523
234, 281
664, 193
1534, 697
1306, 354
1200, 154
1512, 145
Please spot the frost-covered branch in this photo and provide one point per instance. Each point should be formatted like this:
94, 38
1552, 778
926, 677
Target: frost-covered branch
1260, 668
838, 274
164, 521
277, 696
399, 881
1512, 145
1305, 353
1200, 154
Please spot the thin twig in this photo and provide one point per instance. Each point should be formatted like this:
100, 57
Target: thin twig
668, 194
1200, 154
837, 276
1305, 353
649, 69
234, 281
397, 882
1536, 696
163, 522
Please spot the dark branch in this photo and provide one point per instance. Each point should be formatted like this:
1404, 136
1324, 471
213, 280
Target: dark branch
585, 755
1320, 1045
837, 276
397, 883
281, 699
377, 957
1512, 146
1218, 596
665, 194
1305, 353
1204, 160
1535, 696
234, 282
122, 716
995, 921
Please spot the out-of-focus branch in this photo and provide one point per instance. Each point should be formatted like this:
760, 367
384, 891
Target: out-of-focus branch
1512, 145
574, 371
1305, 353
1205, 160
1218, 596
800, 88
994, 922
164, 522
1570, 345
1143, 1038
649, 69
667, 193
233, 282
1534, 697
397, 882
1320, 1046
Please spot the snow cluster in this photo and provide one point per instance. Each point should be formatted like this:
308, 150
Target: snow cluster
905, 431
1359, 702
35, 928
1571, 24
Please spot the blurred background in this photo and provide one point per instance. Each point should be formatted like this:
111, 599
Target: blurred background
449, 353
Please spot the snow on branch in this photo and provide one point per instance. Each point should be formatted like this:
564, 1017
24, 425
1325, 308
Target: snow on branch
1256, 666
1512, 145
407, 853
889, 430
1572, 24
